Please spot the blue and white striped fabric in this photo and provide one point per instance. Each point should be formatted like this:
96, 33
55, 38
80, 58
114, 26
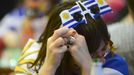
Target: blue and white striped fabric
104, 7
67, 16
68, 20
88, 4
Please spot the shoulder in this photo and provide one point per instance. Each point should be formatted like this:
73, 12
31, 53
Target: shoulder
116, 62
31, 45
28, 57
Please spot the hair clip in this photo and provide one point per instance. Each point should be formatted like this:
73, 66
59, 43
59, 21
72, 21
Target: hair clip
76, 15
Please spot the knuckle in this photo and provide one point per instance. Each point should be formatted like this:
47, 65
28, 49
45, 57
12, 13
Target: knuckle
82, 37
56, 32
74, 48
61, 40
49, 39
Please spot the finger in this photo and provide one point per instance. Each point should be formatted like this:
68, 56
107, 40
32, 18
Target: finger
73, 39
58, 42
59, 32
62, 49
79, 37
71, 32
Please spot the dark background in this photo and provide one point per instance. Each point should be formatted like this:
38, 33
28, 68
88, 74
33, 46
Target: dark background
6, 6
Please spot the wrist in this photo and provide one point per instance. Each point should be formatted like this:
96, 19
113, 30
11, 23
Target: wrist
86, 70
47, 70
86, 65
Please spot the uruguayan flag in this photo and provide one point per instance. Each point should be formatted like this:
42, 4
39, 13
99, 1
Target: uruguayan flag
68, 20
88, 4
75, 9
68, 16
104, 7
80, 9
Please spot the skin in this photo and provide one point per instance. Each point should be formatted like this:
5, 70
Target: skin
56, 47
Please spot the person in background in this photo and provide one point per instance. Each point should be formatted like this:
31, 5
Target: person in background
123, 37
71, 51
26, 21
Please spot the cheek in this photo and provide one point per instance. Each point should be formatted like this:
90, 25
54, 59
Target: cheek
101, 54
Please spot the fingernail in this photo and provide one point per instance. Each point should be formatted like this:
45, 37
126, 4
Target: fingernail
73, 33
66, 27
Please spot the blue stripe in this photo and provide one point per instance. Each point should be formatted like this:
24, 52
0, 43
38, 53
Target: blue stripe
69, 22
102, 13
96, 15
89, 2
103, 7
92, 5
75, 25
73, 8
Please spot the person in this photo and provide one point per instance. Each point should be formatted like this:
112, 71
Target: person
26, 20
29, 16
122, 36
70, 51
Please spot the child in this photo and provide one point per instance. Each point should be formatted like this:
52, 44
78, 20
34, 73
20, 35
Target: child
70, 50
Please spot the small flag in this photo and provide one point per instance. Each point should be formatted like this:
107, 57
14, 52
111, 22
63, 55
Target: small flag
76, 15
68, 20
104, 7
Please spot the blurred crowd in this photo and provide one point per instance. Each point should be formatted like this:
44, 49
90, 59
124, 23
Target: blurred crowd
29, 18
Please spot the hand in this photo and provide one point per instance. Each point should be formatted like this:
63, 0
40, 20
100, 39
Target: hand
79, 51
55, 51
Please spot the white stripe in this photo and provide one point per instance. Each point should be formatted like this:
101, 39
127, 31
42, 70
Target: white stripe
85, 2
105, 9
110, 71
74, 6
77, 10
88, 1
89, 5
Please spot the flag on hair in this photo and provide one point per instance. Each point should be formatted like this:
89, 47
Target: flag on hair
68, 20
76, 15
104, 7
101, 4
88, 4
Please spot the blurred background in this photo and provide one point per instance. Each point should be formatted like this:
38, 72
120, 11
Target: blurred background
24, 19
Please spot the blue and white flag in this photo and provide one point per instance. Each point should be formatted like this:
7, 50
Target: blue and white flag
101, 4
104, 7
69, 18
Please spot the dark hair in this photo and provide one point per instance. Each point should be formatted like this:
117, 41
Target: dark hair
131, 5
94, 32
